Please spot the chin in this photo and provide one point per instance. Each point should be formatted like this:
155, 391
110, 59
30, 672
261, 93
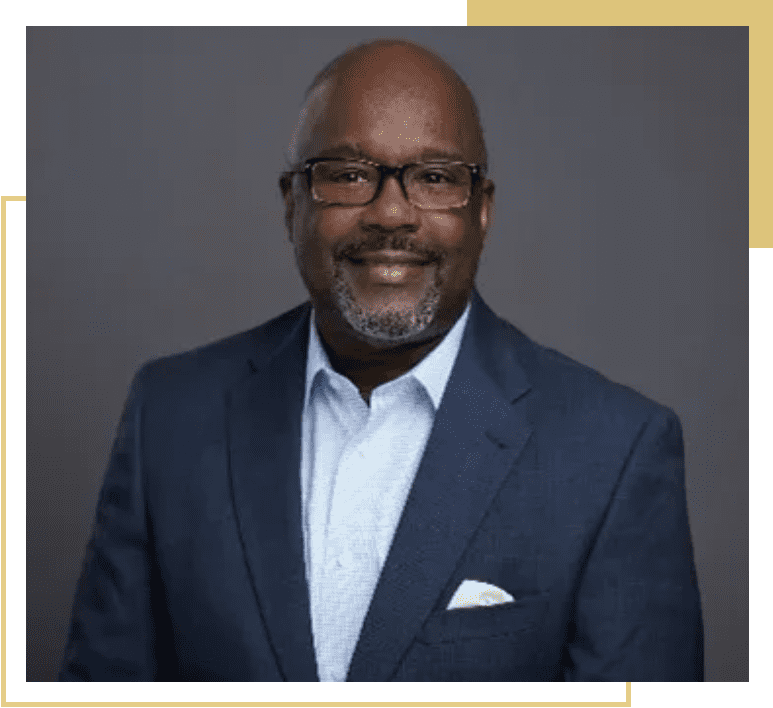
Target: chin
396, 323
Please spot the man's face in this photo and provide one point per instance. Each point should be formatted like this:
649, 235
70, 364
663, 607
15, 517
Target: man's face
388, 271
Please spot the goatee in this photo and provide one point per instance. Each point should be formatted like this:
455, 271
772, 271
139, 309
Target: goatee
392, 323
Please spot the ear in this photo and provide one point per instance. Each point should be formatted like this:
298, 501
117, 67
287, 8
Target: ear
286, 185
486, 206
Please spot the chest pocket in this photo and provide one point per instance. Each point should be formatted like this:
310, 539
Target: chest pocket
480, 622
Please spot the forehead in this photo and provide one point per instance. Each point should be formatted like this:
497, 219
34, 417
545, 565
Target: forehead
404, 112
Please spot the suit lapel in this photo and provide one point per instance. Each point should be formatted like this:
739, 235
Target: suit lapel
479, 431
264, 438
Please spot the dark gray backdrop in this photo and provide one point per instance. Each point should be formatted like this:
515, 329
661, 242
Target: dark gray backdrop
620, 236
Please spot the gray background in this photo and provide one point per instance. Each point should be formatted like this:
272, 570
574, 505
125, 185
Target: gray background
154, 224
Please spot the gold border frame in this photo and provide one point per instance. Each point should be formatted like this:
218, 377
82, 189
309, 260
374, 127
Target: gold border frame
330, 704
200, 704
3, 200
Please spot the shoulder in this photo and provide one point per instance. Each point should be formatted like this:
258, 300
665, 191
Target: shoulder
574, 385
567, 393
225, 362
587, 424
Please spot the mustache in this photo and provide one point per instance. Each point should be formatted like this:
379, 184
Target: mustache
386, 241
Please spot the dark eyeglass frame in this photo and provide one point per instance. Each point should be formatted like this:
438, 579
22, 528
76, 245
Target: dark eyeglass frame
477, 173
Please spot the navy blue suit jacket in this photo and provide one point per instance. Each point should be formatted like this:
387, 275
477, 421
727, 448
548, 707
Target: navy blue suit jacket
540, 477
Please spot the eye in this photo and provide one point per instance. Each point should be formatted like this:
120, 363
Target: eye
437, 176
347, 174
350, 176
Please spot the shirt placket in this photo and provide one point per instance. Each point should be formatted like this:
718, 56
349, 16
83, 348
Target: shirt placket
343, 556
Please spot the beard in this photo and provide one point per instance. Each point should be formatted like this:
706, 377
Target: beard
394, 322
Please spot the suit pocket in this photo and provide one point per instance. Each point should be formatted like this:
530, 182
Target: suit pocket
477, 622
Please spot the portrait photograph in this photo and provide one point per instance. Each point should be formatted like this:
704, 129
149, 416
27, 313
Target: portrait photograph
387, 354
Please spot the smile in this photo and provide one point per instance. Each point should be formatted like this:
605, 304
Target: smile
390, 267
390, 258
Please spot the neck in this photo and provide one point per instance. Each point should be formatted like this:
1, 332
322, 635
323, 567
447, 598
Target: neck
369, 365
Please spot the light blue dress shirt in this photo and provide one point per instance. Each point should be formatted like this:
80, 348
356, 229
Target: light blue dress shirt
357, 467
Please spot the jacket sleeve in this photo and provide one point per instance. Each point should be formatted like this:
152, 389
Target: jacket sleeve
111, 633
637, 608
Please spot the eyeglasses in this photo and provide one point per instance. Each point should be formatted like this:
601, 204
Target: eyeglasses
427, 185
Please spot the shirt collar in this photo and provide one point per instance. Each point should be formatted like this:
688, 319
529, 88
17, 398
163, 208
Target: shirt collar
432, 372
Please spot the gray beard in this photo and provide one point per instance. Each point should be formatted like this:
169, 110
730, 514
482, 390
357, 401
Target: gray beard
386, 325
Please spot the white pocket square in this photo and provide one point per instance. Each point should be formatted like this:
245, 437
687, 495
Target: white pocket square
473, 593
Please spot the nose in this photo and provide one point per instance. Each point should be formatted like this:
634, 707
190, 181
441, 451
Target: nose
391, 210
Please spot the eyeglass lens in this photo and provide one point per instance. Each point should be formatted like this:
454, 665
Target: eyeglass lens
428, 185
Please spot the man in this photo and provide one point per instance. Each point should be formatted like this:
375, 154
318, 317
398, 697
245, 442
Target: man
388, 483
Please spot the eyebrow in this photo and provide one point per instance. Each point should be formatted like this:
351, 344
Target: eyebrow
355, 151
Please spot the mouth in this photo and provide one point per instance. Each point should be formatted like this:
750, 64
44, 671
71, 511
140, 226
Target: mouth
388, 257
390, 267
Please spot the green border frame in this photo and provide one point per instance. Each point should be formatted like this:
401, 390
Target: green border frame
13, 182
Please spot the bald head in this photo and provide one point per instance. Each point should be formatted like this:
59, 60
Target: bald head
371, 78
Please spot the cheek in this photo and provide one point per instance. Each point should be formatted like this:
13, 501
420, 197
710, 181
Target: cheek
444, 224
317, 233
332, 225
456, 234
